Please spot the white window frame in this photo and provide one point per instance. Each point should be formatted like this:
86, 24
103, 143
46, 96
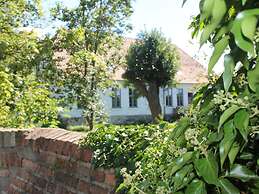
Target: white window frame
169, 97
179, 97
116, 98
133, 98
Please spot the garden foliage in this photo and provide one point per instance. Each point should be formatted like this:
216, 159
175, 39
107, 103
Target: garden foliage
214, 148
25, 97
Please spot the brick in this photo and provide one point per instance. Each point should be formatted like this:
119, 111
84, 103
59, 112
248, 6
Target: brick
83, 169
75, 152
84, 186
29, 165
97, 175
66, 165
39, 182
94, 189
87, 155
11, 159
51, 187
18, 183
24, 175
46, 157
4, 173
110, 178
66, 179
45, 171
9, 139
61, 190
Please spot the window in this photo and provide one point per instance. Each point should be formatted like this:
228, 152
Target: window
179, 97
190, 97
133, 98
116, 98
168, 97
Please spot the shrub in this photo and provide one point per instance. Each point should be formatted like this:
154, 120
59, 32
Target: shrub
79, 128
118, 146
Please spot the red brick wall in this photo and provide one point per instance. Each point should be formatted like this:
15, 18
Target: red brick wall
49, 161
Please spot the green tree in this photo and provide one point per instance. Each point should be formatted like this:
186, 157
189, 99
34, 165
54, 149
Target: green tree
151, 63
93, 31
24, 100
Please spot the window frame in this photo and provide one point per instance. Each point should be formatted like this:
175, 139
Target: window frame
190, 97
179, 97
116, 97
169, 97
133, 98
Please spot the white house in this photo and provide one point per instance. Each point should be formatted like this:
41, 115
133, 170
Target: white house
123, 106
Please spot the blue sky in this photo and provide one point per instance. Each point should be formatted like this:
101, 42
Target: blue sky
167, 15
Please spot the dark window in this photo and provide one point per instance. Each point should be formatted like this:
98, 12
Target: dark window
179, 97
116, 98
190, 97
133, 98
168, 97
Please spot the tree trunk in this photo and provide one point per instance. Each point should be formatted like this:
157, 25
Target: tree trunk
152, 95
153, 102
90, 122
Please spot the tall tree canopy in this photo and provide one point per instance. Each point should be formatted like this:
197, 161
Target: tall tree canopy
92, 33
151, 63
24, 100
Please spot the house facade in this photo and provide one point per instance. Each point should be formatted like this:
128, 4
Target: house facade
123, 105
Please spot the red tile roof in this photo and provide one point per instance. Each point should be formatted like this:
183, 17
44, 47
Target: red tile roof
190, 71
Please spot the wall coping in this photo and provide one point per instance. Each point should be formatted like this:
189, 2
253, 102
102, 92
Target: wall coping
9, 136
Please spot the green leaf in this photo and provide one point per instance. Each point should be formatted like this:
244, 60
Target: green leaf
248, 26
218, 11
215, 137
237, 27
227, 187
255, 191
220, 46
220, 33
233, 152
229, 70
178, 163
207, 9
180, 128
196, 187
228, 140
244, 2
246, 156
227, 114
180, 176
241, 121
207, 168
243, 173
253, 78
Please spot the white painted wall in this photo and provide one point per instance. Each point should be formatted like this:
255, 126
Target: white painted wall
141, 109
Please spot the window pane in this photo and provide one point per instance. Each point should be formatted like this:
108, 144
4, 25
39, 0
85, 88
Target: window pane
190, 97
179, 97
168, 97
116, 98
133, 99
